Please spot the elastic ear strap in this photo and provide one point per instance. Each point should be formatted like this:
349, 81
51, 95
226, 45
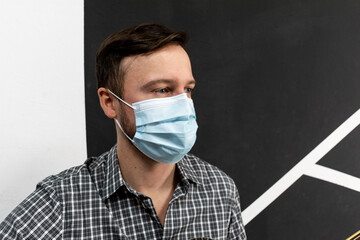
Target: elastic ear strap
120, 99
123, 130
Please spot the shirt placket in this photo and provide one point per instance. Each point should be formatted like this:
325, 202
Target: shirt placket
146, 203
169, 227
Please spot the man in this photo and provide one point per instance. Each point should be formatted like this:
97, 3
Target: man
147, 186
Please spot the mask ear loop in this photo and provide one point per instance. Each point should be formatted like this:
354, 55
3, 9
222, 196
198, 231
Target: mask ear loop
117, 122
121, 99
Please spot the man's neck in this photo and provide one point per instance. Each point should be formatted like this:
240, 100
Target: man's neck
155, 180
142, 173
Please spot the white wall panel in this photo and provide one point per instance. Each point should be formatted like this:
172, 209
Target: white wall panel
42, 124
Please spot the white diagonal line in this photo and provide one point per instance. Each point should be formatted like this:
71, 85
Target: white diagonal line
333, 176
299, 169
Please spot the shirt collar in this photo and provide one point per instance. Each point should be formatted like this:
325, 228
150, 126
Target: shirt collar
187, 171
114, 180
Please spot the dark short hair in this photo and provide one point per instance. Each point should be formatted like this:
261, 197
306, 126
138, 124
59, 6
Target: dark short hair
141, 39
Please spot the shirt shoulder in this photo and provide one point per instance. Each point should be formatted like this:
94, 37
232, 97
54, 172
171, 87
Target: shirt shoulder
39, 216
75, 176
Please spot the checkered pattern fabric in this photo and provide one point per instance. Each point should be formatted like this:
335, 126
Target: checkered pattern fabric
92, 201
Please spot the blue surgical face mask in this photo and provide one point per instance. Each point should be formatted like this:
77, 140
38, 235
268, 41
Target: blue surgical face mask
165, 127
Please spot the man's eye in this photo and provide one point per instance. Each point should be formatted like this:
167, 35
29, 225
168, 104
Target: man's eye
189, 90
162, 90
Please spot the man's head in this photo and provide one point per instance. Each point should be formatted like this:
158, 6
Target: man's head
138, 40
139, 63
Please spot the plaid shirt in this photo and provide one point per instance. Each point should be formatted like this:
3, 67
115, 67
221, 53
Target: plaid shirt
92, 201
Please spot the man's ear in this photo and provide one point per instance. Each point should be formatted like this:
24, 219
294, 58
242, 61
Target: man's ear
107, 103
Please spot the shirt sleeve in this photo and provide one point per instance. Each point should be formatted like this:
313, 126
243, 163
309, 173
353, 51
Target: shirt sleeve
236, 227
37, 217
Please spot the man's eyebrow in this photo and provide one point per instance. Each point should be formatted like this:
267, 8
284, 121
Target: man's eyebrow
192, 81
159, 81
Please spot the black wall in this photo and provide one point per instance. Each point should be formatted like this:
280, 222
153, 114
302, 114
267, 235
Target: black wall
274, 78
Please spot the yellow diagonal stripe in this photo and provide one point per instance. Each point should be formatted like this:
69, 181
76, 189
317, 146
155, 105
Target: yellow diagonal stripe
356, 236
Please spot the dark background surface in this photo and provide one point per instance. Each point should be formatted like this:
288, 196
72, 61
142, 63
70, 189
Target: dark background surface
274, 78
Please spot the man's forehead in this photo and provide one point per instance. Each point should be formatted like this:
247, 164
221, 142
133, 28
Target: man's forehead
127, 61
169, 59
